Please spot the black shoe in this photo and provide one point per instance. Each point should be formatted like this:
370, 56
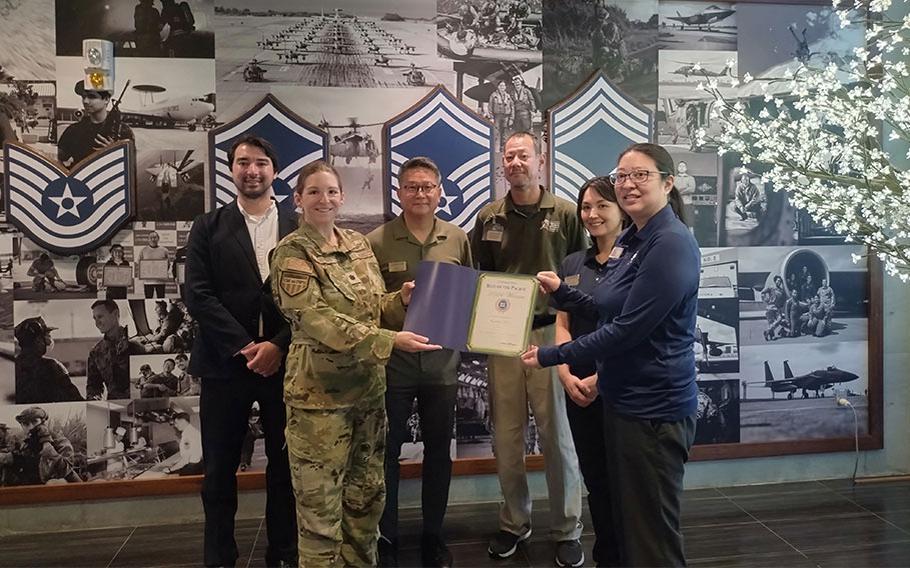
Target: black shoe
504, 544
434, 553
569, 553
388, 552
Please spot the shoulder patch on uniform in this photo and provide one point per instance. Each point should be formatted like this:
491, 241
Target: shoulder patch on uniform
293, 283
297, 265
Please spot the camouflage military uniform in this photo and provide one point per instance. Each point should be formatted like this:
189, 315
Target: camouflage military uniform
334, 390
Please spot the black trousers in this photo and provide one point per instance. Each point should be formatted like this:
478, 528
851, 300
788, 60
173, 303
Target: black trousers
224, 408
646, 460
436, 411
587, 425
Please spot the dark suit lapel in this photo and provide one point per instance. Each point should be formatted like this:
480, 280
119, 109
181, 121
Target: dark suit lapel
242, 234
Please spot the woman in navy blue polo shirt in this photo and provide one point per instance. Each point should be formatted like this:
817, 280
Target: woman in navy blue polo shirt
604, 220
643, 351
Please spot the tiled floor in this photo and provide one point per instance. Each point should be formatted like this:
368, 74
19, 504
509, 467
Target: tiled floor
827, 523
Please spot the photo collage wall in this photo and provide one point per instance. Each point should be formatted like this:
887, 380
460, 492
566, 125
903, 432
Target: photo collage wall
783, 310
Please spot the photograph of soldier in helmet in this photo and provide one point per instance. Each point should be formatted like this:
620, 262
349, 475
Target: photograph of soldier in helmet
40, 378
46, 449
98, 127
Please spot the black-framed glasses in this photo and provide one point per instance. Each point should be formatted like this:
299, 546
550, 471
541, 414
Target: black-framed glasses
637, 176
414, 189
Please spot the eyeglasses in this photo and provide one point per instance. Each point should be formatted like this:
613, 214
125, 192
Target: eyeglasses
637, 176
415, 189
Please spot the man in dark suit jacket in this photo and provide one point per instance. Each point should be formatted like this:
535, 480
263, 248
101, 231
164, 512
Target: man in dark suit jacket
240, 350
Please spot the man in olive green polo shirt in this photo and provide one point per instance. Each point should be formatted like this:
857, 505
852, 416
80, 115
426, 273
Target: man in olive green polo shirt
527, 231
431, 377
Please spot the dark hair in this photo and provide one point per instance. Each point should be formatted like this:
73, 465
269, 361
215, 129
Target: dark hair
525, 134
110, 305
181, 357
604, 188
664, 163
257, 141
171, 360
181, 416
314, 167
419, 162
116, 247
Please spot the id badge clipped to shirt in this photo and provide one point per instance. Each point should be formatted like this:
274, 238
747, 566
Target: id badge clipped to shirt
493, 232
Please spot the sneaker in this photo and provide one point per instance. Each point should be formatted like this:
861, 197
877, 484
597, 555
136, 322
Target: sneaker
434, 552
388, 553
569, 553
504, 544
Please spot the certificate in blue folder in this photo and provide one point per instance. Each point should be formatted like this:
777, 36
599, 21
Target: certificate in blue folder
467, 310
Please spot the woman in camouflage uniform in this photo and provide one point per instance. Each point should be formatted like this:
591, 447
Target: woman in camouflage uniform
327, 283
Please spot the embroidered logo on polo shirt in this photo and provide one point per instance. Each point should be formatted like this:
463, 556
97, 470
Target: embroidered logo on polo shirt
549, 225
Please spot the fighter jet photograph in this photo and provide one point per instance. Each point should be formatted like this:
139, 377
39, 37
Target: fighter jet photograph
779, 404
817, 381
692, 25
702, 20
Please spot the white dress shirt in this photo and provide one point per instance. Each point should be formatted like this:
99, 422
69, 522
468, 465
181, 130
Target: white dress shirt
263, 231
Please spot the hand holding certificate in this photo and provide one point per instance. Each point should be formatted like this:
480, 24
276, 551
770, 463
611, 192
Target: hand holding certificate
463, 309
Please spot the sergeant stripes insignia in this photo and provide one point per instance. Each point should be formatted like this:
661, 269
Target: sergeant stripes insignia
296, 141
589, 129
69, 212
460, 142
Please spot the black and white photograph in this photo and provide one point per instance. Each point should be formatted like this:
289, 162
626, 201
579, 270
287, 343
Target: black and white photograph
799, 295
29, 113
347, 43
144, 28
792, 395
781, 37
752, 213
117, 272
160, 376
92, 344
171, 185
696, 180
682, 108
473, 418
491, 30
162, 326
7, 340
718, 412
26, 456
697, 26
620, 37
355, 147
27, 40
42, 275
162, 104
717, 323
143, 439
154, 251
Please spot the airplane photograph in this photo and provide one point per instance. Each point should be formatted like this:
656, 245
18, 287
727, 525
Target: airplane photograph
694, 26
801, 295
171, 185
785, 398
817, 381
680, 72
349, 44
717, 321
783, 37
168, 103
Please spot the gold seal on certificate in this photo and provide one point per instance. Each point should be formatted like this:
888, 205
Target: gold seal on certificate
502, 315
467, 310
